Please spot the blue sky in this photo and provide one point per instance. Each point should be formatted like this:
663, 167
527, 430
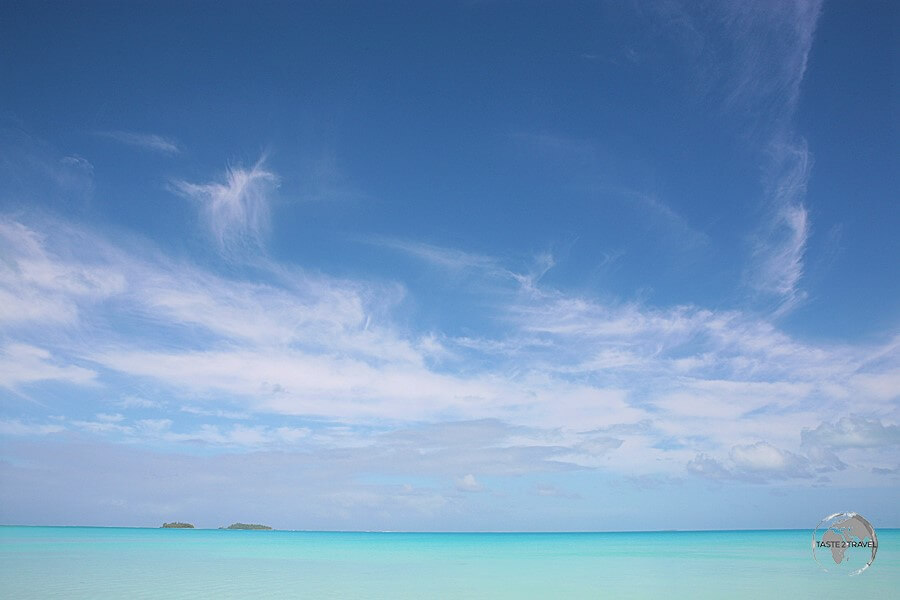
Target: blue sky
460, 266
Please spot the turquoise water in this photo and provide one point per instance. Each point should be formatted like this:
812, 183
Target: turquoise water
85, 562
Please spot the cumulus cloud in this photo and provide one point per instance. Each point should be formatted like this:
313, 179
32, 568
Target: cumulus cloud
468, 483
708, 467
852, 432
763, 457
236, 211
758, 462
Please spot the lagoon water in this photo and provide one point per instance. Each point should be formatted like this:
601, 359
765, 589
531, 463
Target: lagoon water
96, 563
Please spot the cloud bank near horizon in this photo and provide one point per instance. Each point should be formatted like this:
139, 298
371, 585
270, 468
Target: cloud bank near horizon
659, 387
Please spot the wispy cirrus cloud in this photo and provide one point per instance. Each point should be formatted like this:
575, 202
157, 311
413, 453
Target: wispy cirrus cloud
767, 53
454, 260
771, 50
595, 169
777, 260
447, 258
237, 210
145, 141
751, 60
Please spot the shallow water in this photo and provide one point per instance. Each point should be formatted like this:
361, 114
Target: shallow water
86, 562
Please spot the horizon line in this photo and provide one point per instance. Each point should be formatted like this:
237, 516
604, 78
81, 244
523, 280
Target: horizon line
441, 531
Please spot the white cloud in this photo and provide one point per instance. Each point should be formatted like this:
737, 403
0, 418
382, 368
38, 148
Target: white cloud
307, 345
17, 427
708, 467
758, 462
224, 414
237, 211
297, 383
456, 262
777, 261
137, 402
468, 483
37, 285
109, 418
153, 426
148, 141
100, 426
238, 435
729, 399
766, 458
770, 52
852, 432
448, 258
751, 57
773, 45
22, 364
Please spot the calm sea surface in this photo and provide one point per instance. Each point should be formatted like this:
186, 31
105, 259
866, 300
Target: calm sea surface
86, 562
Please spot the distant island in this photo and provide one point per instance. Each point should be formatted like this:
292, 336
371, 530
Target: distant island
180, 525
246, 526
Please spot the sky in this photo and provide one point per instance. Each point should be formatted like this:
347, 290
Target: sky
449, 266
